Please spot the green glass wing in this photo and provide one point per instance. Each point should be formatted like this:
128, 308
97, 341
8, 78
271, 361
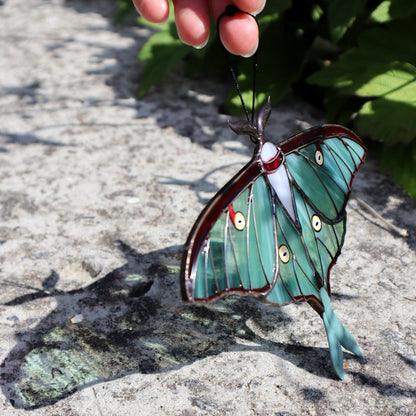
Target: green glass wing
323, 172
239, 257
306, 253
250, 259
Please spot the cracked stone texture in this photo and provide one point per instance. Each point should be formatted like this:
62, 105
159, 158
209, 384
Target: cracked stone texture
98, 192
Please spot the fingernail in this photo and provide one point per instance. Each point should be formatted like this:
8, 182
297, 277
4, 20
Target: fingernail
200, 46
164, 21
250, 54
260, 9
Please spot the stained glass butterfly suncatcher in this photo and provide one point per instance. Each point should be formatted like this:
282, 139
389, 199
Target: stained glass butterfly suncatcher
276, 229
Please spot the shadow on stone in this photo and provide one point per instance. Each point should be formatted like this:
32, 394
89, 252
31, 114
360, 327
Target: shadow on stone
132, 321
25, 139
386, 389
202, 186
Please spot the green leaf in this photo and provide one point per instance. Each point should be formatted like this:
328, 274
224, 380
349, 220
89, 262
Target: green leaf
392, 42
341, 15
341, 108
161, 53
363, 78
381, 70
372, 70
393, 9
389, 119
382, 13
123, 7
395, 79
377, 52
400, 161
316, 13
273, 9
356, 74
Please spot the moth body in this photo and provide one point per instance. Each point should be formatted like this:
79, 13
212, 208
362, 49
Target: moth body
278, 177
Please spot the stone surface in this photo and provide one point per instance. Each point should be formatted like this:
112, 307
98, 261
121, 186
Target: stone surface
98, 192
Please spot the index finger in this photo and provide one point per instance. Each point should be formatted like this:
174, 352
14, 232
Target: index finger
155, 11
239, 33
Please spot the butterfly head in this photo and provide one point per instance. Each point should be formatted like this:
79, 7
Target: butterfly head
255, 131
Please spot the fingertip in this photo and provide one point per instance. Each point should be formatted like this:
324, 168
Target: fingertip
192, 23
201, 45
153, 11
251, 6
196, 37
239, 34
260, 8
253, 51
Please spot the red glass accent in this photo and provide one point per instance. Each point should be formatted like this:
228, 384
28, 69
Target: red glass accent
274, 163
232, 213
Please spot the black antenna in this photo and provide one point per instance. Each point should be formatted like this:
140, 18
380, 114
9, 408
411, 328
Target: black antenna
231, 10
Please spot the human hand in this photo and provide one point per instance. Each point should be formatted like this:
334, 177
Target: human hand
239, 33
